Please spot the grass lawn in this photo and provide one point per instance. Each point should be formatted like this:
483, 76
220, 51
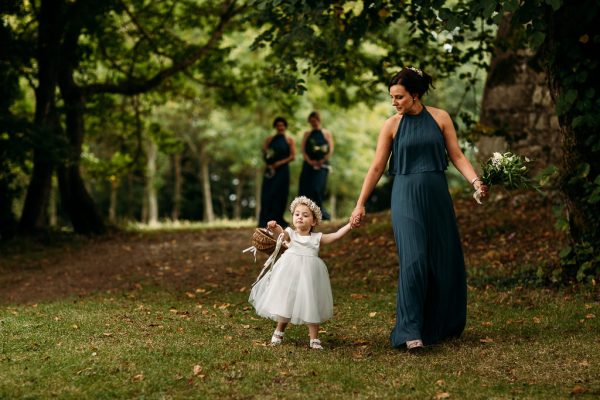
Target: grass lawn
519, 343
201, 339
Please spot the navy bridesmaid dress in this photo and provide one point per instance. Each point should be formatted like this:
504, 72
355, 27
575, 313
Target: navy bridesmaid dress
313, 182
432, 290
276, 184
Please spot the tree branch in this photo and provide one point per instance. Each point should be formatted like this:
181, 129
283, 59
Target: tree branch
136, 86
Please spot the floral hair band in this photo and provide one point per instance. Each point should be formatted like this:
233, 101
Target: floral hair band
417, 70
312, 206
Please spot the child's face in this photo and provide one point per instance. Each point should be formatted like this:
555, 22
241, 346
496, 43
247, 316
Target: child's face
303, 218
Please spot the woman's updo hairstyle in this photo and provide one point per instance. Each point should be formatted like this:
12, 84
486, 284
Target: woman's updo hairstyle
414, 80
278, 120
315, 115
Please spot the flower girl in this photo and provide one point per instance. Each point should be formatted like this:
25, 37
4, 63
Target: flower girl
297, 290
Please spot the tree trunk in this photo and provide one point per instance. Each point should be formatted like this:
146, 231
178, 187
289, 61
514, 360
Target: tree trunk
209, 214
52, 206
237, 209
517, 106
77, 202
177, 187
333, 205
151, 195
112, 209
571, 51
129, 197
258, 177
50, 29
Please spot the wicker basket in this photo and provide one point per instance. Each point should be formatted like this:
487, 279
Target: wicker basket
265, 241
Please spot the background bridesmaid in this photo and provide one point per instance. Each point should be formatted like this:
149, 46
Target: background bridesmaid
278, 151
317, 149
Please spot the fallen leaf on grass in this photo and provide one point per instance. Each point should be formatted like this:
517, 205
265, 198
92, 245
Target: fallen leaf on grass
486, 340
537, 320
577, 389
372, 314
197, 369
590, 316
358, 296
486, 323
138, 378
441, 395
440, 382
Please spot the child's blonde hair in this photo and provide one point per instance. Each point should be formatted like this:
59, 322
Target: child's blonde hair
312, 206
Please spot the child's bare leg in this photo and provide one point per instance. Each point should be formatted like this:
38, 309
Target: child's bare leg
277, 337
281, 325
313, 330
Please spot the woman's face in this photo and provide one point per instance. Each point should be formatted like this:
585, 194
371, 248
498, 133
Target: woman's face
314, 123
401, 99
280, 127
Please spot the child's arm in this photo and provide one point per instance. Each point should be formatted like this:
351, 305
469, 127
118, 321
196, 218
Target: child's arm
332, 237
277, 230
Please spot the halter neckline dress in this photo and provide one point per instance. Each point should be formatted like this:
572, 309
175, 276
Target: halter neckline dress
313, 182
432, 292
275, 187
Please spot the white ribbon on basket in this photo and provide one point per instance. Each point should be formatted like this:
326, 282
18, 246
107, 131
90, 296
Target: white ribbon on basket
271, 260
251, 249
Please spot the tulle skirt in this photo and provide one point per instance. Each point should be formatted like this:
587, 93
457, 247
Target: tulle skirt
296, 290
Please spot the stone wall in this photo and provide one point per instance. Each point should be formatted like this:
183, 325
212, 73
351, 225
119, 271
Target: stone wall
517, 105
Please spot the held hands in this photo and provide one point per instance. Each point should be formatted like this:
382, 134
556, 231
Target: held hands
357, 215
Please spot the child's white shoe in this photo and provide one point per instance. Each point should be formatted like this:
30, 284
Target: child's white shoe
315, 344
277, 338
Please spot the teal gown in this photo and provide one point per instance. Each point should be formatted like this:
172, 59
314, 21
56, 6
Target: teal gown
432, 290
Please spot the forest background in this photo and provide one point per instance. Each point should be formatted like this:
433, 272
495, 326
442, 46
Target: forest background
131, 110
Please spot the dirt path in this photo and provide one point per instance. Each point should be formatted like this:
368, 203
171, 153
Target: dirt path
179, 261
500, 239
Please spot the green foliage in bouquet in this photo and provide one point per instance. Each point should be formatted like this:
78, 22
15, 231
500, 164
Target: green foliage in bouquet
508, 170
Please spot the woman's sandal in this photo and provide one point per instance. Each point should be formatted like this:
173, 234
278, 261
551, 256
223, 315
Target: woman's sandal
415, 346
315, 344
277, 338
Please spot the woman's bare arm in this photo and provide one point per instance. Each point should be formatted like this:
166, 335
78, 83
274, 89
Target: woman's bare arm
382, 154
456, 155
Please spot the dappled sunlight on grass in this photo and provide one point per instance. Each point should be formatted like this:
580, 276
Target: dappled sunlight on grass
170, 225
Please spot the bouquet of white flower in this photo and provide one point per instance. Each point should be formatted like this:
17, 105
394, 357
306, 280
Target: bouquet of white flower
508, 170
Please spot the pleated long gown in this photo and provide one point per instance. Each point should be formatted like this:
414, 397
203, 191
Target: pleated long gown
432, 290
313, 182
276, 187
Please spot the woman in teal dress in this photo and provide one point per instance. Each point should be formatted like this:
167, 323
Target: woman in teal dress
317, 149
278, 151
418, 141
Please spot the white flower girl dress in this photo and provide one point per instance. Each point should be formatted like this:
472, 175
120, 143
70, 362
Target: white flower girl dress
297, 288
